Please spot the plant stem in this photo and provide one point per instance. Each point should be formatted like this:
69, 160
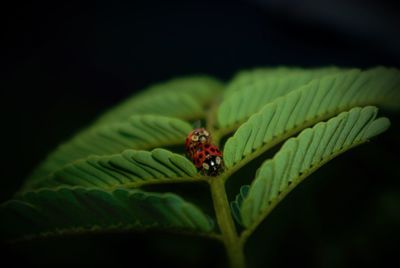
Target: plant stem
232, 242
230, 238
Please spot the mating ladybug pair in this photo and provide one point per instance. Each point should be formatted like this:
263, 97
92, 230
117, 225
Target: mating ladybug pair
205, 155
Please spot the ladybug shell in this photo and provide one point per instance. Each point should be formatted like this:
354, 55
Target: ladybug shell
208, 159
195, 140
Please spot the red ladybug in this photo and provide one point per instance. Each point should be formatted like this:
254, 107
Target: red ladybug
208, 159
195, 140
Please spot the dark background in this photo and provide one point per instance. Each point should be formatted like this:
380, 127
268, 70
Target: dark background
65, 63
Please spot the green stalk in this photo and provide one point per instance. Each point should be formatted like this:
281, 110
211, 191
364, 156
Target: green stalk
229, 236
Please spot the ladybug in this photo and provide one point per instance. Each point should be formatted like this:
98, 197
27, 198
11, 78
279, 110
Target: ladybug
208, 159
195, 140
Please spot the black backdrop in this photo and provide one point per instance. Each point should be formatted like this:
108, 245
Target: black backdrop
67, 62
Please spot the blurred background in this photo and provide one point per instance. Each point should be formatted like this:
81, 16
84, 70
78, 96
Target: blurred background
65, 63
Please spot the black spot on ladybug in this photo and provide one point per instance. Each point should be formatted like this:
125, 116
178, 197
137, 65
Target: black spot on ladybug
212, 150
207, 145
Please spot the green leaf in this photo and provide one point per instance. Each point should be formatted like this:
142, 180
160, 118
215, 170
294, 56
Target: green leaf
301, 156
139, 132
76, 209
237, 203
130, 168
184, 98
247, 78
249, 92
316, 101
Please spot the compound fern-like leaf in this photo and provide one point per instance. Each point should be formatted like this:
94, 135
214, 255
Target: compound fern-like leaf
301, 156
316, 101
76, 209
139, 132
256, 88
247, 78
130, 168
184, 98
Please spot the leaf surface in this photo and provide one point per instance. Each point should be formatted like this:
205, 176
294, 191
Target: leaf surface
301, 156
131, 168
316, 101
183, 98
248, 77
248, 93
76, 209
237, 203
139, 132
